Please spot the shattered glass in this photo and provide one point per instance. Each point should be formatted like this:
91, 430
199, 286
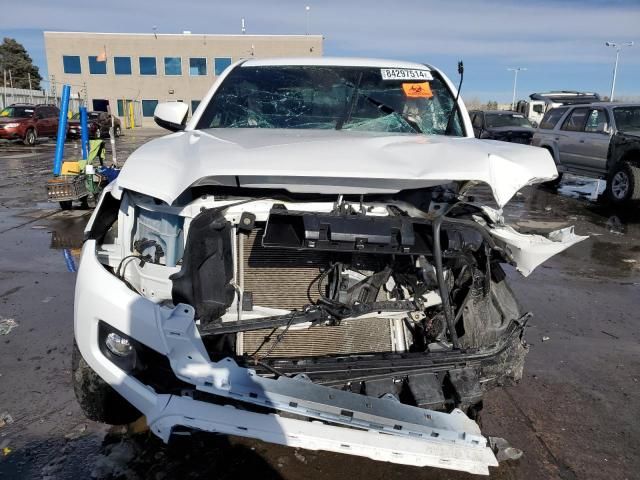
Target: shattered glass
327, 97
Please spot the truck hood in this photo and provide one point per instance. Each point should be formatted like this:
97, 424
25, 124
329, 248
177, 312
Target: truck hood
329, 161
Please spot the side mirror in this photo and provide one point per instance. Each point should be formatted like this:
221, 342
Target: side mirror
171, 115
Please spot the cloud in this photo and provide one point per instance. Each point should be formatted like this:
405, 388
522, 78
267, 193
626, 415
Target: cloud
565, 36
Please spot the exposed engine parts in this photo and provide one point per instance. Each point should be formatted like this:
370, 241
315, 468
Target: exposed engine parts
419, 272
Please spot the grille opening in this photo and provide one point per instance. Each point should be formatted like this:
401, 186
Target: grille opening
280, 278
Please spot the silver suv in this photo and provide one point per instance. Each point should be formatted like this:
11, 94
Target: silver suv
600, 140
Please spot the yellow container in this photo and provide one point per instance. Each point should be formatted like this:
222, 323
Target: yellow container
71, 168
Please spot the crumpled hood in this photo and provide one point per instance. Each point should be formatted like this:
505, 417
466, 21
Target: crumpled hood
329, 161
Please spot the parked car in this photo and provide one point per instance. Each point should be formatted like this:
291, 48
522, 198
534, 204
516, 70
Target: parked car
276, 268
99, 125
501, 125
27, 122
599, 140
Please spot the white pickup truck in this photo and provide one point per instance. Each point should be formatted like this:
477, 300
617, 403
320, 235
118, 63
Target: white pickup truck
300, 263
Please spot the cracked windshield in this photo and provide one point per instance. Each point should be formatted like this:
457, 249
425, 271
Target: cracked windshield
341, 98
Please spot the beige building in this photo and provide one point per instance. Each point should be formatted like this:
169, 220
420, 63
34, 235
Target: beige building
132, 72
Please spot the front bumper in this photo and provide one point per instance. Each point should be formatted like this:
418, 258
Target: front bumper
377, 428
13, 133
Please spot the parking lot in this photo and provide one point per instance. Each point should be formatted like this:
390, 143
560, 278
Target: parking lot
574, 415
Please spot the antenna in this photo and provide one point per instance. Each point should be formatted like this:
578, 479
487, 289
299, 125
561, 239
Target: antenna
244, 30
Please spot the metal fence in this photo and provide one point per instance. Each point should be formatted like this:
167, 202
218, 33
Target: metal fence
23, 95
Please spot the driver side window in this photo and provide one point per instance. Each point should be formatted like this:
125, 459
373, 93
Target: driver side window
576, 120
597, 121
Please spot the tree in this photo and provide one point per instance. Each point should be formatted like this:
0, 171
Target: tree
14, 57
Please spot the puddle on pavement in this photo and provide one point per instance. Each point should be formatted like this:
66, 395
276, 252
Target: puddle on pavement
581, 187
611, 251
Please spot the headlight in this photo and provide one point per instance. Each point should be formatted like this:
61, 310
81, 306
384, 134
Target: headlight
118, 345
11, 125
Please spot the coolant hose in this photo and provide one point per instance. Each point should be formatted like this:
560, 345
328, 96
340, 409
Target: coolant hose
444, 290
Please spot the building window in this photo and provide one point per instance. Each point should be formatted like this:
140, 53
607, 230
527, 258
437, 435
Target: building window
96, 67
71, 64
194, 105
220, 63
148, 66
148, 107
197, 66
122, 65
172, 66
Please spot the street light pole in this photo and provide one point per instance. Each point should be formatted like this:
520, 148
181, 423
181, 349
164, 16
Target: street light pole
618, 47
306, 9
515, 70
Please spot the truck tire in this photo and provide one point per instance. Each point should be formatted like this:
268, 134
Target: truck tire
66, 205
30, 137
623, 183
553, 183
98, 400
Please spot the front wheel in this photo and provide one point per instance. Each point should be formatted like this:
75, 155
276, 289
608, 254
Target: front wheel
98, 133
555, 183
98, 400
623, 183
66, 205
117, 132
30, 137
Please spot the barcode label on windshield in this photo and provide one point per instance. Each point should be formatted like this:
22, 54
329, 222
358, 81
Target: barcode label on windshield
405, 74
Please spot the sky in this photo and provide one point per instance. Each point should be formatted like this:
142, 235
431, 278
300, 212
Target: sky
561, 43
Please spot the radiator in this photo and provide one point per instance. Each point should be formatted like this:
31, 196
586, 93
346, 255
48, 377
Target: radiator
280, 278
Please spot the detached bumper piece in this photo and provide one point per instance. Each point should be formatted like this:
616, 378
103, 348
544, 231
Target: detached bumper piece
377, 428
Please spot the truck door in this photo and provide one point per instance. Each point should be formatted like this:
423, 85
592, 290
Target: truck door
569, 135
593, 143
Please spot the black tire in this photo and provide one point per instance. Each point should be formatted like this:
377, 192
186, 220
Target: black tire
116, 131
623, 183
84, 203
66, 205
553, 183
30, 137
98, 400
98, 133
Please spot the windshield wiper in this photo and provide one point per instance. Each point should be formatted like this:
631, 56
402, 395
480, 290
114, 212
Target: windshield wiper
383, 107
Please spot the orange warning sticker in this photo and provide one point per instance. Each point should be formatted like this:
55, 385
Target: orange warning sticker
417, 90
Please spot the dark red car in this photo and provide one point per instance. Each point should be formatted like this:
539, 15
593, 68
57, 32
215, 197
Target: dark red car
26, 122
99, 125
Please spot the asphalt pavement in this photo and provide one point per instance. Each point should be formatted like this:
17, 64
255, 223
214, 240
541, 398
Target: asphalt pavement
574, 415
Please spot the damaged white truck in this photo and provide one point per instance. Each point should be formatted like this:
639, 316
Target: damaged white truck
302, 263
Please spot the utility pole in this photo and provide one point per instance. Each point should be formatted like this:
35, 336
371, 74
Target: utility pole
515, 70
4, 102
618, 47
13, 94
30, 89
